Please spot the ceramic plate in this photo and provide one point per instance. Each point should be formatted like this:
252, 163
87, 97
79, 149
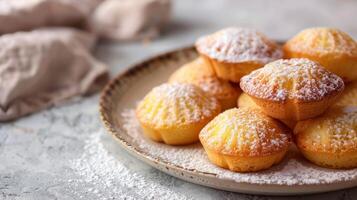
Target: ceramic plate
293, 176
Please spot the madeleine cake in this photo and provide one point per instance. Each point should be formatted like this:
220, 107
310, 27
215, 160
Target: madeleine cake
202, 75
235, 52
245, 140
330, 47
348, 96
331, 139
175, 113
245, 100
293, 89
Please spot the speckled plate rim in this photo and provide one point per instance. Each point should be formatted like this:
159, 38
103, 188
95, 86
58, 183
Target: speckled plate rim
193, 175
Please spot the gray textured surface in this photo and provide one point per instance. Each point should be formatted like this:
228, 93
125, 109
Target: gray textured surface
49, 155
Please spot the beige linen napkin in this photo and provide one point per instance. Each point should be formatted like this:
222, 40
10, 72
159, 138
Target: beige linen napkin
111, 19
44, 67
130, 19
19, 15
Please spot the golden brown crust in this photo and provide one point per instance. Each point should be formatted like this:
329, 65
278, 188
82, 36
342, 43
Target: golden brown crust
202, 75
332, 48
345, 160
245, 140
245, 100
348, 96
175, 113
293, 89
235, 52
190, 72
294, 110
170, 105
245, 132
181, 134
244, 164
300, 80
231, 71
333, 132
239, 45
331, 139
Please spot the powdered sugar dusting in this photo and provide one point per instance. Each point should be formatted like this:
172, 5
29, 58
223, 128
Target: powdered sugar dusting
343, 129
169, 104
113, 179
340, 130
239, 45
219, 88
294, 170
245, 132
297, 78
323, 41
202, 75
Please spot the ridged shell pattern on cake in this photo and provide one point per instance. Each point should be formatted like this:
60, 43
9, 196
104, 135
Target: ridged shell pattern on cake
296, 78
198, 73
334, 132
246, 132
236, 44
323, 41
175, 104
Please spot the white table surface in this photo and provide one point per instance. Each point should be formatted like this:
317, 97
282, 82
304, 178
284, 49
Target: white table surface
64, 153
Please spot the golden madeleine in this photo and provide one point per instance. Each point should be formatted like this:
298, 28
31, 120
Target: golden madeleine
245, 100
332, 48
235, 52
245, 140
202, 75
175, 113
348, 96
293, 89
331, 139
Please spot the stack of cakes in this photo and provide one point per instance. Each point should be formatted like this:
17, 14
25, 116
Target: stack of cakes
305, 91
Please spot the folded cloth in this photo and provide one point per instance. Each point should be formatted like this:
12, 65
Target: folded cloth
44, 67
130, 19
20, 15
